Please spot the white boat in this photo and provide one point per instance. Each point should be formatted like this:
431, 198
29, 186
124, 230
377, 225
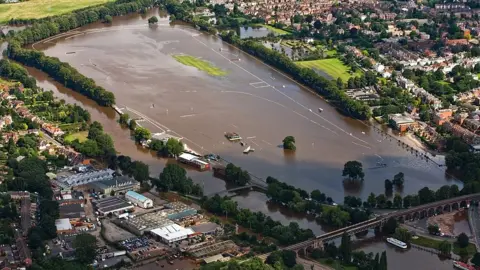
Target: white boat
320, 109
397, 243
462, 266
247, 150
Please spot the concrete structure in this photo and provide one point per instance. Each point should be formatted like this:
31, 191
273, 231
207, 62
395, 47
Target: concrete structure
139, 199
86, 178
208, 228
400, 122
417, 212
146, 222
72, 211
112, 205
194, 161
172, 233
63, 225
179, 210
120, 184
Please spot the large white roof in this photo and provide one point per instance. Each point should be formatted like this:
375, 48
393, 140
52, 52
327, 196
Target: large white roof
63, 224
172, 231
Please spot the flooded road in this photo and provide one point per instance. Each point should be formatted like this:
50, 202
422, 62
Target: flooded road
135, 62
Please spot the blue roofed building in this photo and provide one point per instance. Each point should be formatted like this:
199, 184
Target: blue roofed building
139, 199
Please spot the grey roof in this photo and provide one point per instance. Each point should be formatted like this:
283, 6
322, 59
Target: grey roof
120, 181
111, 204
73, 210
205, 227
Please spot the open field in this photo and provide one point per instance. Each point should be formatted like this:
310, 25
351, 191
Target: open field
35, 9
200, 65
275, 30
432, 243
81, 136
333, 67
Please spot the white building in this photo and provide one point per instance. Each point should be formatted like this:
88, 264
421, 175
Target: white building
139, 199
172, 233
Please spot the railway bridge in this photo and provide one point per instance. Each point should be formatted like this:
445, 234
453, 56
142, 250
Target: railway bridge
416, 212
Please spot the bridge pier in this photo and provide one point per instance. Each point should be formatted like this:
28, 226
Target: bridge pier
317, 244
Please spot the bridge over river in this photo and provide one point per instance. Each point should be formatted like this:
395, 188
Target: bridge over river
420, 211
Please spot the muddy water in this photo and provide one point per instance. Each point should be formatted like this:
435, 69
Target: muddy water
410, 259
135, 62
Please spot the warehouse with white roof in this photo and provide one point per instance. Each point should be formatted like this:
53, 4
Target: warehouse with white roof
139, 199
172, 233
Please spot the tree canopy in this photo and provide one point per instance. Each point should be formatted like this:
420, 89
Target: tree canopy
353, 170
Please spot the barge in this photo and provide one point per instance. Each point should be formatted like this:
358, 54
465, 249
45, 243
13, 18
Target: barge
397, 243
232, 136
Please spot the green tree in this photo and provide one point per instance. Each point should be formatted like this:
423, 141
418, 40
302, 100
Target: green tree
140, 171
353, 170
390, 226
174, 147
107, 19
398, 179
142, 133
153, 20
388, 186
346, 248
236, 175
317, 195
335, 217
397, 201
133, 124
445, 248
462, 240
124, 119
289, 143
85, 248
476, 259
383, 261
402, 235
372, 200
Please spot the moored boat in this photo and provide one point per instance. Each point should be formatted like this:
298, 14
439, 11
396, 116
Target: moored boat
232, 136
462, 266
397, 243
247, 150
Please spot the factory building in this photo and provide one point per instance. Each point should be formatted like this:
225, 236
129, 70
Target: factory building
172, 233
139, 199
120, 184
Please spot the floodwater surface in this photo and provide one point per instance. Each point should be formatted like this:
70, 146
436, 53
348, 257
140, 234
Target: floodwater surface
134, 61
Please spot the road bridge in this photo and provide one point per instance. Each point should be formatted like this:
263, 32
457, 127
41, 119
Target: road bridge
420, 211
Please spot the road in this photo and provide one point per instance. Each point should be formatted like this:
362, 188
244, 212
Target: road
474, 221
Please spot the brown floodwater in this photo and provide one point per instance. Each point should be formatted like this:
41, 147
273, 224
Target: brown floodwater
134, 61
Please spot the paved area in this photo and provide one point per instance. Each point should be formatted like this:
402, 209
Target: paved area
312, 265
113, 233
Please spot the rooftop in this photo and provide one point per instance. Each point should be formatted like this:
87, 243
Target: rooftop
120, 181
205, 227
112, 204
73, 210
172, 231
63, 224
400, 119
137, 196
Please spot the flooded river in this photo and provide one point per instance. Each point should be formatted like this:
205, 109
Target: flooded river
135, 62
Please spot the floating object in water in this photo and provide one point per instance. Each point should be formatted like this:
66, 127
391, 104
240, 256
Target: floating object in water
363, 132
70, 52
350, 134
247, 150
320, 110
310, 109
153, 105
283, 86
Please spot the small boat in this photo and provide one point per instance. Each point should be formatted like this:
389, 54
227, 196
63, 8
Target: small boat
320, 110
462, 266
247, 150
363, 132
397, 243
242, 143
284, 86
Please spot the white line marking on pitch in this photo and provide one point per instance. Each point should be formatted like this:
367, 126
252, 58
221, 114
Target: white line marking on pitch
187, 115
266, 142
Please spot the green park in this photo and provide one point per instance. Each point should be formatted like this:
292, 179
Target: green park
35, 9
332, 67
200, 64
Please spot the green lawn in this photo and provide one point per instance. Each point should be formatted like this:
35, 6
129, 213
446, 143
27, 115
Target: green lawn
275, 30
432, 243
81, 136
200, 64
35, 9
333, 67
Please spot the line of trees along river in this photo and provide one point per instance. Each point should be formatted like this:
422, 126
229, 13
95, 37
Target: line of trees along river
60, 71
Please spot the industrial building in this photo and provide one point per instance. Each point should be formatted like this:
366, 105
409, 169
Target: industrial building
119, 184
71, 211
139, 199
194, 161
86, 178
112, 205
146, 222
172, 233
208, 228
63, 226
180, 210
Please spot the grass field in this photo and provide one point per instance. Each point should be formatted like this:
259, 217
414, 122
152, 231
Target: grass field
275, 30
81, 136
333, 67
432, 243
35, 9
200, 64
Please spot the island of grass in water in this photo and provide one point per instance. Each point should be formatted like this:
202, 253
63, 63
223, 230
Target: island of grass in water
200, 64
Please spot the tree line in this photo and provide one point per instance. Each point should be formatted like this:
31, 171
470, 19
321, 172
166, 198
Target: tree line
305, 76
63, 72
